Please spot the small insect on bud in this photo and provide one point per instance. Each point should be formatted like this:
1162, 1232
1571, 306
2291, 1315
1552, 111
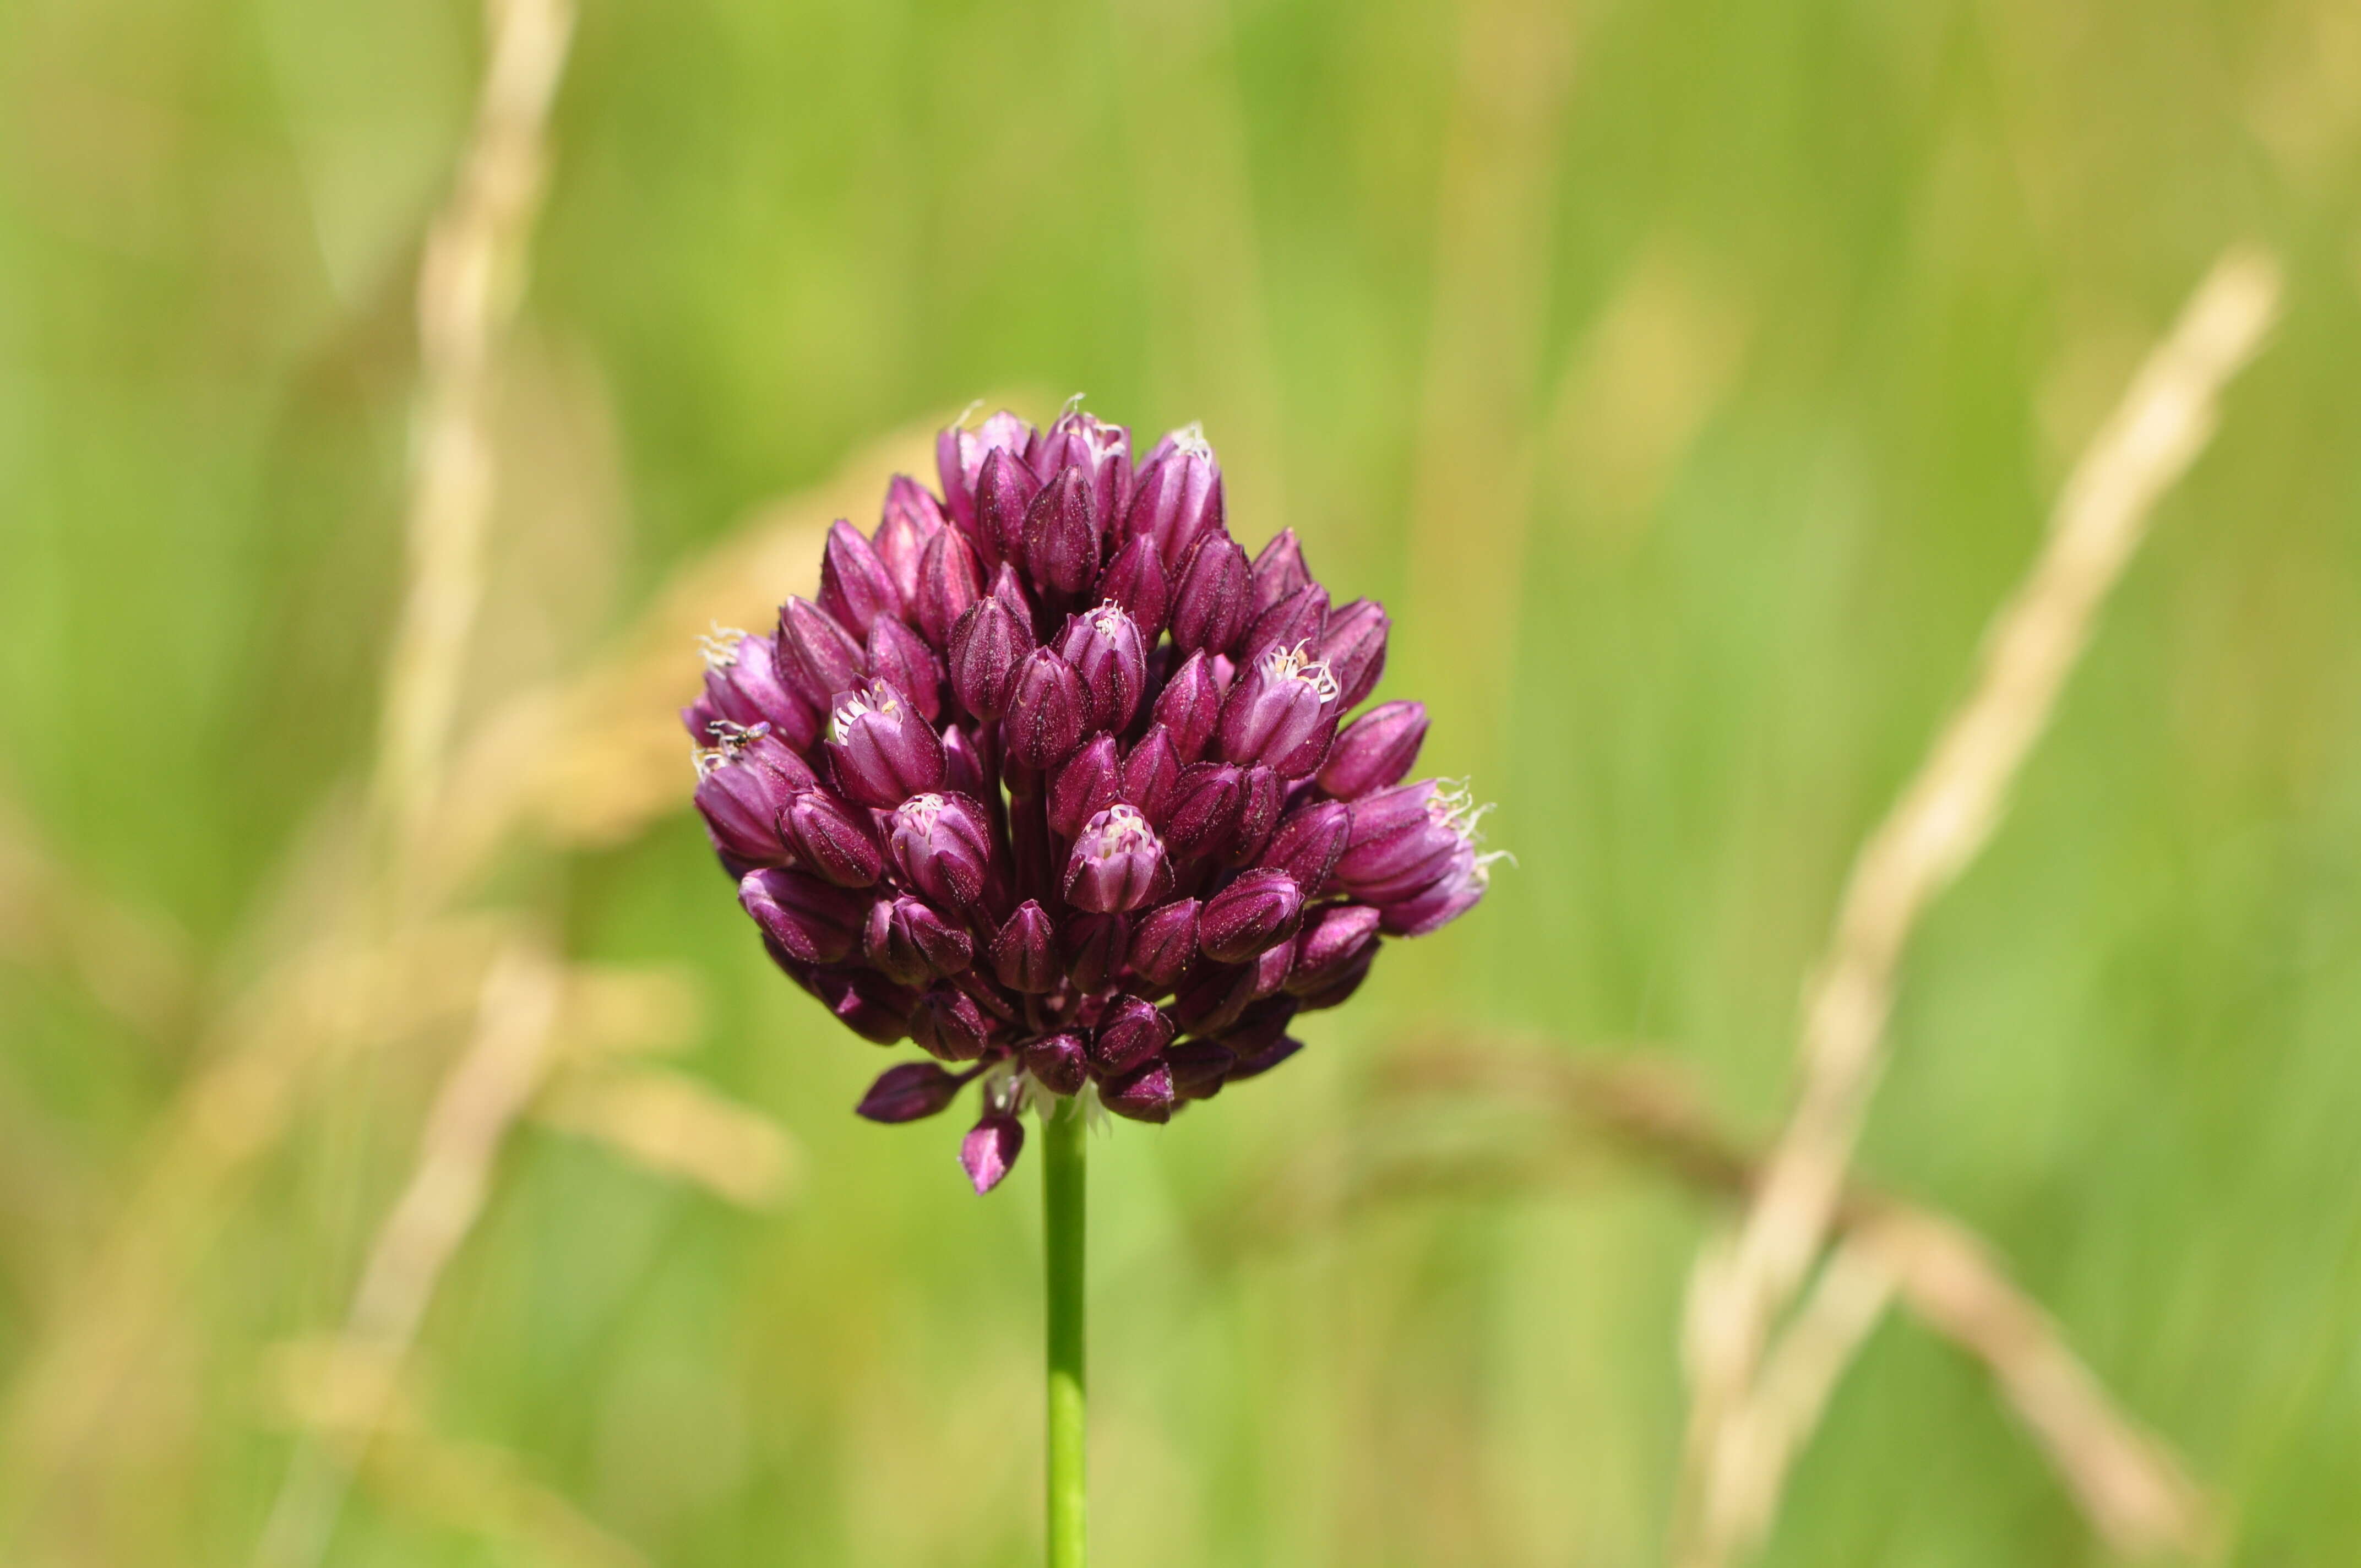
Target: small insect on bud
744, 793
1178, 497
1259, 910
1375, 750
1025, 954
942, 846
1211, 602
1144, 1094
1282, 713
854, 585
1059, 1063
1117, 862
1353, 645
906, 525
1135, 579
1280, 571
743, 689
990, 1149
1127, 1036
816, 922
1164, 942
985, 647
910, 1092
911, 945
1105, 647
1085, 785
948, 1026
900, 655
816, 657
1046, 711
959, 455
951, 578
884, 751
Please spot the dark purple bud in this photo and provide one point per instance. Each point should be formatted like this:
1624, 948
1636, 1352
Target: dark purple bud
910, 944
1062, 535
1280, 571
942, 846
832, 840
1334, 940
1281, 714
816, 922
1097, 945
1190, 706
959, 455
1144, 1094
1271, 970
1259, 910
1008, 587
989, 1147
1105, 647
1136, 580
1263, 1060
869, 1004
1353, 646
1004, 491
1164, 941
1212, 996
949, 579
1117, 862
1205, 812
882, 748
743, 798
1025, 954
948, 1026
1151, 772
908, 524
1178, 498
855, 585
1046, 711
1340, 986
743, 689
963, 767
1101, 453
1261, 796
910, 1092
1309, 842
1261, 1026
1293, 622
1085, 785
1446, 899
1211, 602
816, 657
1059, 1063
900, 655
1199, 1067
985, 647
1375, 750
1130, 1033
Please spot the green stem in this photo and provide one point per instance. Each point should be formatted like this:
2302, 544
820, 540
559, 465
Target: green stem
1062, 1206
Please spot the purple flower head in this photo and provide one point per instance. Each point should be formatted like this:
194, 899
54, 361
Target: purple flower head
1057, 779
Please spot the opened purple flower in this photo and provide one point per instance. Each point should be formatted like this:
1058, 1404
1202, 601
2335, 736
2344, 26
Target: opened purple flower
1057, 781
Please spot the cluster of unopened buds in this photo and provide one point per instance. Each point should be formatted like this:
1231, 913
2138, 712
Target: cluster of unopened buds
1056, 781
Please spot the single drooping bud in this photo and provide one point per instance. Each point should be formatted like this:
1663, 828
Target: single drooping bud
1178, 497
985, 646
869, 1004
948, 1026
832, 840
1261, 796
1150, 772
1085, 785
883, 748
1164, 941
942, 846
906, 525
1281, 714
1333, 941
1293, 622
1096, 946
1136, 580
1203, 816
1101, 453
1059, 1063
1280, 571
854, 585
1025, 954
951, 578
1375, 750
816, 657
816, 922
1310, 840
1135, 1030
743, 794
743, 689
1214, 595
1104, 645
910, 1092
1353, 646
910, 944
959, 455
1117, 862
989, 1147
1199, 1067
1144, 1094
1190, 706
1062, 535
1046, 711
1258, 910
1004, 491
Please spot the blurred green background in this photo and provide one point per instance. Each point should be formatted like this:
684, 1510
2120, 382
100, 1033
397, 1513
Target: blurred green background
1692, 378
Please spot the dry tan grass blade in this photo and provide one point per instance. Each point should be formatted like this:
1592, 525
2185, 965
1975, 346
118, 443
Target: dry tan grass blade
676, 1128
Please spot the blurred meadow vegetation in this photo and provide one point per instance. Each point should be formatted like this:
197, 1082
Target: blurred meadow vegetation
1691, 378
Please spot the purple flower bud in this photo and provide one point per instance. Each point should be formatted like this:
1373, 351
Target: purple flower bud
985, 647
910, 1092
1441, 901
1062, 535
908, 524
816, 922
1085, 785
1293, 622
1341, 985
1097, 945
1178, 498
1375, 750
1263, 1060
942, 846
1144, 1094
1282, 713
1005, 492
1151, 772
1117, 862
900, 655
959, 455
949, 579
948, 1026
1334, 940
1135, 1030
1164, 942
1309, 842
963, 766
1403, 838
1105, 647
1261, 1026
883, 748
1353, 646
1259, 910
1280, 571
1270, 969
832, 840
1046, 711
910, 944
1260, 796
1199, 1067
854, 585
1101, 453
1190, 706
1212, 996
869, 1004
1008, 587
743, 798
1025, 954
1059, 1063
1211, 604
1136, 580
989, 1147
1203, 816
743, 688
816, 657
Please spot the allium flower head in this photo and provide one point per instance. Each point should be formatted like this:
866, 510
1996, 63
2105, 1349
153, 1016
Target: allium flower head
1057, 781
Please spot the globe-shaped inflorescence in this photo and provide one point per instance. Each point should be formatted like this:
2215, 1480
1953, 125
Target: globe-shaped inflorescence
1056, 781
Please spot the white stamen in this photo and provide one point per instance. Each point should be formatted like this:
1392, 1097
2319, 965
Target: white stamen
966, 414
857, 706
1297, 663
1190, 440
720, 646
1108, 617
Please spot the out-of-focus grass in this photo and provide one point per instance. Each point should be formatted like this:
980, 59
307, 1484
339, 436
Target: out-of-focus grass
1691, 378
